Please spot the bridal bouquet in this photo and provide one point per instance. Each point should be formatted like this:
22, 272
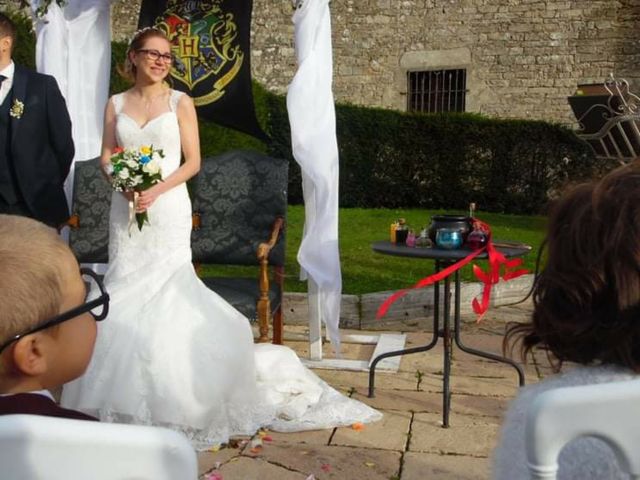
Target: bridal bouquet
135, 170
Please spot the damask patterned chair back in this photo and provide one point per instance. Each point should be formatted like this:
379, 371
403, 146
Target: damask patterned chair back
240, 206
237, 196
89, 222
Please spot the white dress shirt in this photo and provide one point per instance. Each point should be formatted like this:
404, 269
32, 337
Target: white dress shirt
45, 393
8, 83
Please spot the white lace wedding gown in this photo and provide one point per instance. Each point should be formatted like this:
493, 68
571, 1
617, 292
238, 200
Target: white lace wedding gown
172, 352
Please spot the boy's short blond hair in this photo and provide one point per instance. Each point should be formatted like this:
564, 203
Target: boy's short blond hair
32, 259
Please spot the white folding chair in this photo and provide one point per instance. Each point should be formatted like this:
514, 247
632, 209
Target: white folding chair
38, 447
609, 411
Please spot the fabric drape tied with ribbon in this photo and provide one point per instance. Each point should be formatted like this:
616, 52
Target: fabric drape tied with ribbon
500, 268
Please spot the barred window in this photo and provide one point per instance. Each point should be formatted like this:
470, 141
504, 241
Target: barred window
437, 91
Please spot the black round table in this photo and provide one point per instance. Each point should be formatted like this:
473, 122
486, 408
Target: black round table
444, 258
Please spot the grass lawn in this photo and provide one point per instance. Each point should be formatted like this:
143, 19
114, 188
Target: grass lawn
365, 271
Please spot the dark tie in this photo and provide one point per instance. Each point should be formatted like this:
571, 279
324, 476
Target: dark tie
2, 79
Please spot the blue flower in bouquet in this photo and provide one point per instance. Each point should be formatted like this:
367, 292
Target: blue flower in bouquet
144, 159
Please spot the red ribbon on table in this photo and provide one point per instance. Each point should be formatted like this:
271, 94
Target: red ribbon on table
490, 278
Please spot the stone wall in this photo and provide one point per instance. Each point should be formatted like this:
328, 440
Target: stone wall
523, 57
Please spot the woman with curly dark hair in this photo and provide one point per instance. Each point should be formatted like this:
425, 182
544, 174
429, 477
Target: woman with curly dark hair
586, 311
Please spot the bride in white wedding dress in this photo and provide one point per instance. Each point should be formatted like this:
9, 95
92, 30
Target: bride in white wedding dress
172, 352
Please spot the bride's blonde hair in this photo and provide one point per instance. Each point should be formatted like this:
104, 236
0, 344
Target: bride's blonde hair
128, 69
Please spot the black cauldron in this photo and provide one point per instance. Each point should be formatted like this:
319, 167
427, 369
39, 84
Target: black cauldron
456, 222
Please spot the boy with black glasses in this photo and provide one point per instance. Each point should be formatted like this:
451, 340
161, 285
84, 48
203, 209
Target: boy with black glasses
47, 327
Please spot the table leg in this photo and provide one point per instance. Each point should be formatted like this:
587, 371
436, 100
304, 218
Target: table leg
473, 351
446, 335
424, 348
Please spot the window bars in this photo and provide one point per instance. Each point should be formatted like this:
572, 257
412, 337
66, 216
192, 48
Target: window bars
437, 91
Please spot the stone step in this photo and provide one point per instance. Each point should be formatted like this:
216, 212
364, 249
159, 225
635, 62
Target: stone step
411, 312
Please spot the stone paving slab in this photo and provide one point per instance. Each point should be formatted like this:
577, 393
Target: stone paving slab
486, 386
311, 437
207, 460
390, 433
423, 466
463, 364
426, 402
329, 462
346, 379
349, 351
246, 468
479, 406
467, 435
472, 366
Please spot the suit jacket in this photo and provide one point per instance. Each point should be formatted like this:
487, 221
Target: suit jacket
36, 404
41, 144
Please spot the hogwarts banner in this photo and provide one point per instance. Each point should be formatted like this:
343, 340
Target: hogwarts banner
210, 41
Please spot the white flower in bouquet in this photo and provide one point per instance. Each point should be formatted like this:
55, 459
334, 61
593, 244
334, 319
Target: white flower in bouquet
152, 167
131, 163
135, 170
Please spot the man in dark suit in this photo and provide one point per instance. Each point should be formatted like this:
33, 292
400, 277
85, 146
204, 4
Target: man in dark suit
36, 147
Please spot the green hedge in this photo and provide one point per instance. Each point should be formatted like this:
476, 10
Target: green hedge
393, 159
24, 51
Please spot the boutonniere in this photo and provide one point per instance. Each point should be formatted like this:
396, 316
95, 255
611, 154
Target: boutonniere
17, 109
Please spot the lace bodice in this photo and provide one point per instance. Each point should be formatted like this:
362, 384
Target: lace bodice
161, 132
166, 238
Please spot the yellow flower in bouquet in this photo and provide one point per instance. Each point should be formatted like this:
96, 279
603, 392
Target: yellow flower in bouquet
136, 170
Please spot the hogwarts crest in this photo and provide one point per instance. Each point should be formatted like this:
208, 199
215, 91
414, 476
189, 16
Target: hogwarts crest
204, 41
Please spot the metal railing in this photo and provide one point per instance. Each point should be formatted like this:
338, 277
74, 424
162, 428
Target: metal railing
619, 135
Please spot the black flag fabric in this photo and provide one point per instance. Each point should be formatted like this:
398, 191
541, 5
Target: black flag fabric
210, 43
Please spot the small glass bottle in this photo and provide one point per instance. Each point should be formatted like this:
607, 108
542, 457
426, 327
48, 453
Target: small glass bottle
423, 239
472, 210
392, 232
411, 239
402, 232
477, 240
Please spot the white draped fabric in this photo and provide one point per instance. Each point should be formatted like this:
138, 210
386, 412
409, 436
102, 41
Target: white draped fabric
74, 45
315, 147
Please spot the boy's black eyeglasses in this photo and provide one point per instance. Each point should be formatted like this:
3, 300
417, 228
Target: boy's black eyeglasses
98, 308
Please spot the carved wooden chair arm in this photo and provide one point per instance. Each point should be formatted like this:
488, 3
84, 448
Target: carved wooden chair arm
264, 305
265, 248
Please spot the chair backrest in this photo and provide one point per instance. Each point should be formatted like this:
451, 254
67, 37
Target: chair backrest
609, 120
91, 204
33, 446
609, 411
238, 195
